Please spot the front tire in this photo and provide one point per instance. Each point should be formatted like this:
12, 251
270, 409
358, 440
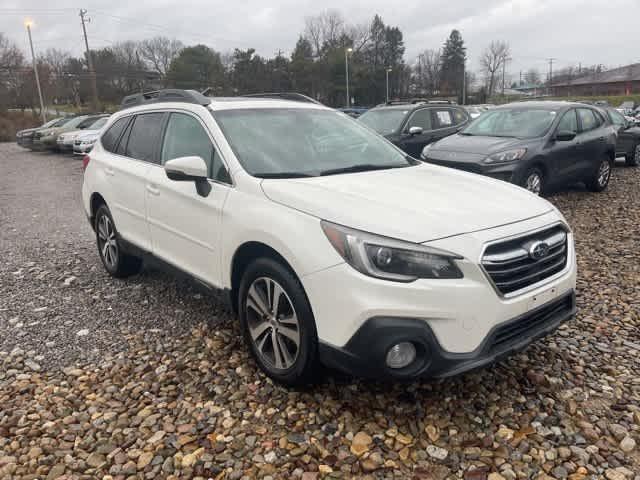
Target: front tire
601, 176
533, 180
116, 262
277, 322
632, 159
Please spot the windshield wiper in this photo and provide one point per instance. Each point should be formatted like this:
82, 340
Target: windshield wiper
283, 175
365, 167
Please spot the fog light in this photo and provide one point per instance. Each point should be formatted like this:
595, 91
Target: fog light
401, 355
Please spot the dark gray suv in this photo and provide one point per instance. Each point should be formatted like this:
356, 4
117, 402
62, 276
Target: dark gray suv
537, 145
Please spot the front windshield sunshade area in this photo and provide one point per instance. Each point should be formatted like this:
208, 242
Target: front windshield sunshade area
385, 120
517, 122
290, 142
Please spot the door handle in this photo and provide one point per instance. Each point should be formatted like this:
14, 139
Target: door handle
109, 171
153, 190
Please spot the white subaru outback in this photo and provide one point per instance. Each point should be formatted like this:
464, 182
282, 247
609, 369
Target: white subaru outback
333, 246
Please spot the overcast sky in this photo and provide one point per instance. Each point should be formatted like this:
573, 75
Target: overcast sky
588, 31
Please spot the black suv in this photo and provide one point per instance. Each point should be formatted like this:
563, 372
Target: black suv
412, 125
534, 144
628, 144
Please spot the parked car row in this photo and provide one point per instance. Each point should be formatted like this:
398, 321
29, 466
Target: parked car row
537, 145
75, 134
333, 245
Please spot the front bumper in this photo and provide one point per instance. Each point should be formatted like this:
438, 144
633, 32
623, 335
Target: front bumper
364, 354
504, 171
82, 148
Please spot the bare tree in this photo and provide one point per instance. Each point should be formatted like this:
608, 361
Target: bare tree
12, 71
427, 71
159, 52
325, 28
493, 58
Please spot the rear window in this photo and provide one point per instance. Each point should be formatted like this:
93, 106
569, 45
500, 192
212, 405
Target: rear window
111, 136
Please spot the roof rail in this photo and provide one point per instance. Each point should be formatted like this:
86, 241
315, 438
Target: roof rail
167, 95
295, 96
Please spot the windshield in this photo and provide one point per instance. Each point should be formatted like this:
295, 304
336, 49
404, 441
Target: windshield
75, 121
99, 123
283, 142
61, 122
384, 120
517, 122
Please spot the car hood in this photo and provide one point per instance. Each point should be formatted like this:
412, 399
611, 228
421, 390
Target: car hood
88, 135
26, 130
477, 144
416, 204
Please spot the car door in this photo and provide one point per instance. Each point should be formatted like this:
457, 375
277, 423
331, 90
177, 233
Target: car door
592, 140
131, 143
564, 155
626, 139
444, 122
413, 144
185, 226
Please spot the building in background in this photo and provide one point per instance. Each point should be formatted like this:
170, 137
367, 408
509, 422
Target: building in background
617, 81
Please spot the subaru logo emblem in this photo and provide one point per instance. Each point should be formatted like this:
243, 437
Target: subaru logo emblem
538, 250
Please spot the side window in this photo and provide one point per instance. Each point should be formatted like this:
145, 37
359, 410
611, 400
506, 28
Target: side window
587, 119
185, 137
443, 118
568, 122
420, 118
144, 137
111, 136
459, 116
616, 118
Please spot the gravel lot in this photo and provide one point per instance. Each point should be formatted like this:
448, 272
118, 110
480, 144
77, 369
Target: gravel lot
147, 378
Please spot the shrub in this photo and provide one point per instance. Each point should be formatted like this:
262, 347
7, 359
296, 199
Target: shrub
12, 122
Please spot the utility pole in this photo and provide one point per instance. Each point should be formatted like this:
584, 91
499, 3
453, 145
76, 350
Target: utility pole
388, 69
28, 24
504, 66
520, 77
464, 82
92, 73
346, 68
550, 74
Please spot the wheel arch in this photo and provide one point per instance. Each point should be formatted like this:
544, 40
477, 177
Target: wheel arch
242, 258
95, 201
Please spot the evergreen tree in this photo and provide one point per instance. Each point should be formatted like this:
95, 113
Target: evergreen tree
454, 54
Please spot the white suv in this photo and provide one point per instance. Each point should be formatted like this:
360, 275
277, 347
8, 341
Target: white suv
334, 247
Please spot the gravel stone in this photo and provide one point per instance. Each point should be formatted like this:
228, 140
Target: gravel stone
161, 385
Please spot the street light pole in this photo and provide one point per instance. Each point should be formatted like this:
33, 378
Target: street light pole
389, 69
43, 114
346, 68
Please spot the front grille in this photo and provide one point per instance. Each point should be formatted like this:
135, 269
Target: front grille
77, 142
467, 167
513, 264
523, 327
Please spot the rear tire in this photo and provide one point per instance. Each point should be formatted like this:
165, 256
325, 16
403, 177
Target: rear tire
116, 262
277, 323
633, 159
599, 181
534, 181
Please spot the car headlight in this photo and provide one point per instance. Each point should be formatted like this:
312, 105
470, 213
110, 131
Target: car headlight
89, 142
506, 156
388, 258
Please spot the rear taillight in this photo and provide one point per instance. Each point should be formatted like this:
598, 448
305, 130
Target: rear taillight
85, 162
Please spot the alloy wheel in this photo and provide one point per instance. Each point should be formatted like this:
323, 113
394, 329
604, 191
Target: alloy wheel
107, 241
604, 171
534, 183
273, 323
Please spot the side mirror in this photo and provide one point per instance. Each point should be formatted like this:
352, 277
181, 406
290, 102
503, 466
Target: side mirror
565, 136
415, 130
184, 169
189, 169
